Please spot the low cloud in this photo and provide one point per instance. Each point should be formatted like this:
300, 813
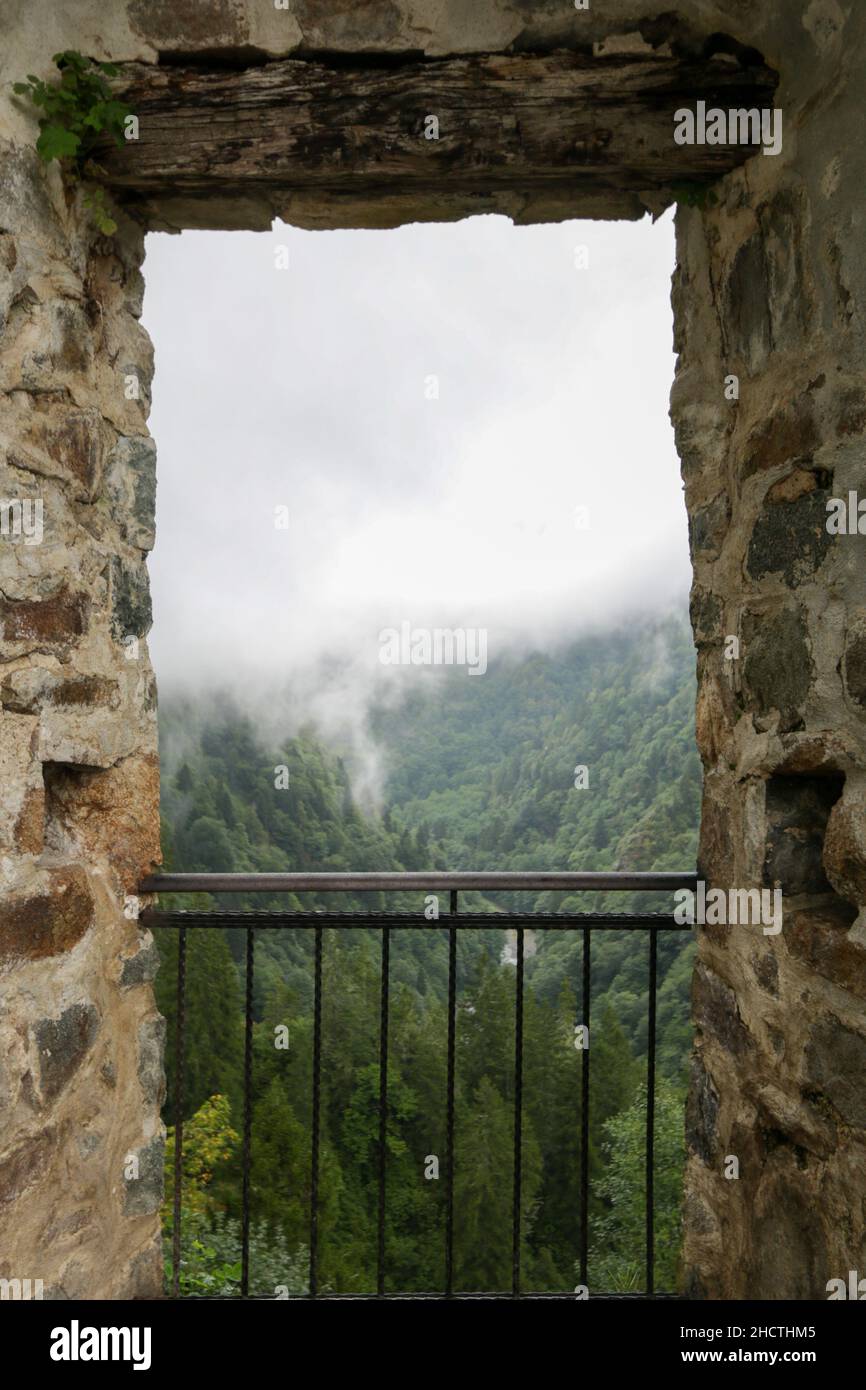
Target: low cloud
460, 427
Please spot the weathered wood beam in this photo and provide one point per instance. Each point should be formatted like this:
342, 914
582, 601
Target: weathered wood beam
569, 132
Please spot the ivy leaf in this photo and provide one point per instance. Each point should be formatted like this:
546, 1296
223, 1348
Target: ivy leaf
96, 116
55, 142
75, 113
115, 112
71, 60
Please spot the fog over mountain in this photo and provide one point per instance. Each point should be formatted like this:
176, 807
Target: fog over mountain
459, 425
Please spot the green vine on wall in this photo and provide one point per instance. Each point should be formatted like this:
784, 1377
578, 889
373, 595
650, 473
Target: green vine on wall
77, 113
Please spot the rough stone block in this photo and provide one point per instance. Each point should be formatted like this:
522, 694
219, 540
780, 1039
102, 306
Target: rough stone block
110, 813
798, 809
141, 968
63, 1044
151, 1053
47, 922
836, 1065
716, 1012
702, 1114
142, 1196
131, 483
792, 433
25, 1165
824, 939
131, 613
854, 661
55, 621
777, 665
790, 538
845, 847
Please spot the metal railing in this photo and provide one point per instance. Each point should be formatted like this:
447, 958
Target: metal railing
317, 921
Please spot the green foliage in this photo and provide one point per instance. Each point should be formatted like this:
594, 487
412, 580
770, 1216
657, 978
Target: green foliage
487, 765
208, 1143
620, 1231
94, 201
77, 113
202, 1271
211, 1258
211, 1239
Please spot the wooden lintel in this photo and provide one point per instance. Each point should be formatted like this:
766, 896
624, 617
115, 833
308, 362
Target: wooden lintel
562, 130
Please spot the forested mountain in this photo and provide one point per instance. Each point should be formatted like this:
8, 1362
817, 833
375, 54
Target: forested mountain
489, 770
583, 759
489, 766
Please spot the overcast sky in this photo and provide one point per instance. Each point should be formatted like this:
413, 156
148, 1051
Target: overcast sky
309, 388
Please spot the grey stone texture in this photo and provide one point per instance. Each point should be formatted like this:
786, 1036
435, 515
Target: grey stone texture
769, 288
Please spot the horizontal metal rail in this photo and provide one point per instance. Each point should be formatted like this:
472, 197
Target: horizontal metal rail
431, 880
428, 1297
218, 919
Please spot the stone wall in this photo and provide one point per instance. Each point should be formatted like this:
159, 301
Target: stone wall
768, 288
80, 1039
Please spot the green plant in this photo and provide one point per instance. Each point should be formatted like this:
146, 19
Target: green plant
77, 113
201, 1272
211, 1258
209, 1142
619, 1228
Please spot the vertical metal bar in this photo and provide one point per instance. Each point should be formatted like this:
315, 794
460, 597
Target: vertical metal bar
179, 1069
518, 1118
650, 1110
584, 1114
248, 1116
449, 1123
383, 1107
317, 1095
